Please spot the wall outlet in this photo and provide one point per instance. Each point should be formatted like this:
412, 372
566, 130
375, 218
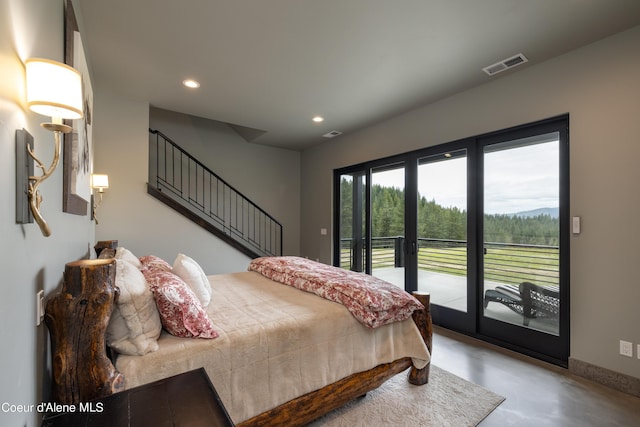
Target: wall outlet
39, 307
626, 348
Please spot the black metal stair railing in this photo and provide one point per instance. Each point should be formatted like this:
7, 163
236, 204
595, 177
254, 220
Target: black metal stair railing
184, 183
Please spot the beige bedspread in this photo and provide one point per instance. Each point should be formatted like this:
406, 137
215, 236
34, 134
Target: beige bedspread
276, 343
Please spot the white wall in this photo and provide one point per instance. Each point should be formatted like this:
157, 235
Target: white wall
28, 260
599, 86
146, 226
268, 176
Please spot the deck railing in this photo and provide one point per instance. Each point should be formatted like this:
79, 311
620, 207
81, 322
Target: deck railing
203, 196
507, 263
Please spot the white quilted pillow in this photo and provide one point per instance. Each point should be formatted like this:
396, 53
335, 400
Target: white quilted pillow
190, 271
135, 324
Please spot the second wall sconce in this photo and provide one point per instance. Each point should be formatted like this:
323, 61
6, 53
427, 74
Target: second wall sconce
53, 89
98, 182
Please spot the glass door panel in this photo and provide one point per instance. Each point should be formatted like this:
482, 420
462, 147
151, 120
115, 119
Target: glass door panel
442, 228
387, 223
521, 232
352, 223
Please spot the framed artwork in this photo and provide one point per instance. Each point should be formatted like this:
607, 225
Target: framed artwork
78, 145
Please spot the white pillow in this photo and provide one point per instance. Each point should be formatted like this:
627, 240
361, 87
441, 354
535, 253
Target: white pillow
190, 271
135, 323
127, 255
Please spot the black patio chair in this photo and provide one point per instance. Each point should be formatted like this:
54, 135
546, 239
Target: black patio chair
529, 300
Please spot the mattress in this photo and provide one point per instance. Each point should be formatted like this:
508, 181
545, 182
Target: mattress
275, 343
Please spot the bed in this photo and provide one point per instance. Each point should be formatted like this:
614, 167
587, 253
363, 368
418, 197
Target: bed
281, 355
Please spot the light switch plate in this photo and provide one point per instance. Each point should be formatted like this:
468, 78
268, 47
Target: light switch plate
575, 226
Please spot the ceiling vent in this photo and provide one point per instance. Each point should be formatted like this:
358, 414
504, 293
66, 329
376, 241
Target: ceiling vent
505, 64
332, 134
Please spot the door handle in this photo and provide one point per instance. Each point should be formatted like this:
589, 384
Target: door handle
409, 248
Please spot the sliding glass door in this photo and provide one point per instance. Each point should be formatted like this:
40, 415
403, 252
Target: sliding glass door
442, 236
442, 228
371, 217
405, 220
524, 239
521, 228
351, 219
480, 224
388, 223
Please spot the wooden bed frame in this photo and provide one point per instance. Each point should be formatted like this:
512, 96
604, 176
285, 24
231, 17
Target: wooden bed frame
82, 371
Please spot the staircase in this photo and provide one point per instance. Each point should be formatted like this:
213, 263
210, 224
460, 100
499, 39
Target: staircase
183, 183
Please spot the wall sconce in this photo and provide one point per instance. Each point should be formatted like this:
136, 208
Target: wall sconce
99, 182
53, 89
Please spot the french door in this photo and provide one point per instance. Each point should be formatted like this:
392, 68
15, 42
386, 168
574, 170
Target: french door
480, 224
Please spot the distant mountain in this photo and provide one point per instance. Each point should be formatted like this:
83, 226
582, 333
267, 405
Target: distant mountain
552, 212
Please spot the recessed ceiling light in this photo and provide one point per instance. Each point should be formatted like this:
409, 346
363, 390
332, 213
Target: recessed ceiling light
318, 119
191, 83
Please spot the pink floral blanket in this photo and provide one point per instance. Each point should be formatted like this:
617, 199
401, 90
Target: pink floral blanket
374, 302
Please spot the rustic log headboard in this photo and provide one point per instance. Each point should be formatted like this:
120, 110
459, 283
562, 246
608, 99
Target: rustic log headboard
77, 318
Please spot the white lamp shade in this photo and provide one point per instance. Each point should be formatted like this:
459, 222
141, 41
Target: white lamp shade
53, 89
100, 181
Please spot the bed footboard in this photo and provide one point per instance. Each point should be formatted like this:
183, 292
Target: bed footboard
306, 408
422, 319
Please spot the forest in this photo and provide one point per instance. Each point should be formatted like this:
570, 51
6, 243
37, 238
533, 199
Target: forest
438, 222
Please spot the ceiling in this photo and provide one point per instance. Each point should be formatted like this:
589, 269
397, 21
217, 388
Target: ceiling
269, 66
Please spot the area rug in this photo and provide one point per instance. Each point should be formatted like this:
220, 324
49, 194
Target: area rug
447, 400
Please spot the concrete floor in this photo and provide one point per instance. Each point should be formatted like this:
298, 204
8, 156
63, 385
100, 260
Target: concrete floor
537, 394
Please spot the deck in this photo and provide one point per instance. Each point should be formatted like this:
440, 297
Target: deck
450, 291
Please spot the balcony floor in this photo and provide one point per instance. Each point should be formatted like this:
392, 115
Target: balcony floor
450, 291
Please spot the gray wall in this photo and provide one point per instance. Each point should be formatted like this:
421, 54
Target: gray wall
28, 260
268, 176
599, 86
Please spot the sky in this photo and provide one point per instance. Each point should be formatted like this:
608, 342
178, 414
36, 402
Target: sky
516, 180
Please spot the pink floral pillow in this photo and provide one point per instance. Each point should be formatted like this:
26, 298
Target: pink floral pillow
180, 310
152, 262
